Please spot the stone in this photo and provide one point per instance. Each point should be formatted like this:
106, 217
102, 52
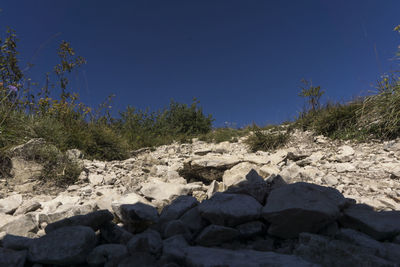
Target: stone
193, 220
212, 188
113, 233
251, 229
131, 198
385, 250
176, 227
345, 167
96, 179
13, 258
93, 220
149, 241
163, 191
230, 209
237, 173
383, 225
290, 173
268, 170
306, 208
138, 212
327, 252
28, 206
107, 255
24, 170
139, 259
16, 242
252, 185
346, 154
330, 180
203, 256
65, 211
9, 204
207, 168
65, 246
177, 208
215, 235
22, 226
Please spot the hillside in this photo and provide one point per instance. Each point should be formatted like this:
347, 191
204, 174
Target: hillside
313, 201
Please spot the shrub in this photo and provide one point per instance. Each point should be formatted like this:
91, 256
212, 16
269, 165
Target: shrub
265, 140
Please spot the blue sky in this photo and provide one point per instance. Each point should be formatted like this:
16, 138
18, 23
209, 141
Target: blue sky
243, 60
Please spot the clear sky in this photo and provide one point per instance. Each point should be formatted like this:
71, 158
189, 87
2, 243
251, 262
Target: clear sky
242, 59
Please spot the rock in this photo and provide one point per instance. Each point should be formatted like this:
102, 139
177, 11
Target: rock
22, 226
28, 206
96, 179
24, 170
230, 209
65, 246
113, 233
139, 259
149, 241
237, 174
306, 208
193, 220
207, 168
176, 227
16, 242
131, 198
397, 239
172, 249
382, 225
251, 229
177, 208
268, 170
162, 191
387, 251
9, 204
345, 167
215, 235
93, 220
66, 211
330, 180
346, 154
138, 212
207, 257
290, 173
212, 188
107, 255
326, 252
13, 258
253, 185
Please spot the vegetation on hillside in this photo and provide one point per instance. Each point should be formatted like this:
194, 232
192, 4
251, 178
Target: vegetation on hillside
55, 113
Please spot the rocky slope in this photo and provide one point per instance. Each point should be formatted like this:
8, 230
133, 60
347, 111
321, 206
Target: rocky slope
315, 202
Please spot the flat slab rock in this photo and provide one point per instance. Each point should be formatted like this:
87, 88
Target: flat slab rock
381, 225
230, 209
301, 207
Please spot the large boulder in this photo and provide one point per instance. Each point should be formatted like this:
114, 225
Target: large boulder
301, 207
384, 225
230, 209
64, 246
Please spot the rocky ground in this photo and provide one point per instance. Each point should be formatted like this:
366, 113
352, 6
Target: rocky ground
204, 204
